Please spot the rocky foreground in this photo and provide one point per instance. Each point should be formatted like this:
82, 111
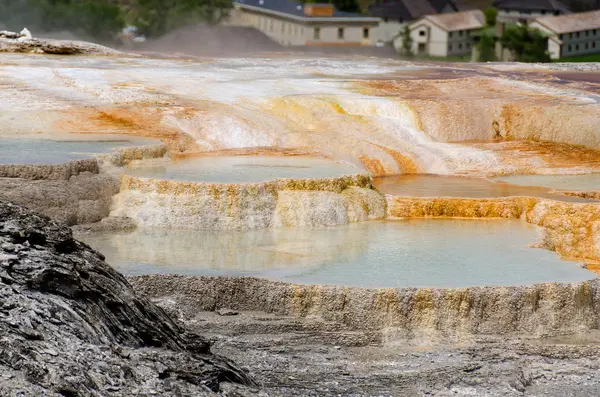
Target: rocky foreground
24, 42
70, 325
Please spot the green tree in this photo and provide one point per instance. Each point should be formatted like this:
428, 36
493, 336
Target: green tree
92, 18
157, 17
407, 42
491, 14
526, 44
486, 48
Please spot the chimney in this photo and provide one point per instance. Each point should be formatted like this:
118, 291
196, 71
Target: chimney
499, 29
318, 10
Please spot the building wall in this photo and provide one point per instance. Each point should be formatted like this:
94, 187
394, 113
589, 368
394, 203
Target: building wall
434, 41
289, 32
506, 14
387, 31
460, 42
573, 43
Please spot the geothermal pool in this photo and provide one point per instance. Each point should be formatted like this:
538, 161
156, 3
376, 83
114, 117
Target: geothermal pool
239, 169
456, 186
60, 149
563, 182
412, 253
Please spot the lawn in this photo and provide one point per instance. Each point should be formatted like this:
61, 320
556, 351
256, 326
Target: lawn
581, 58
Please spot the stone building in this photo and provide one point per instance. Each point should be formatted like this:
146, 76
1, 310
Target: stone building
443, 35
395, 14
572, 34
291, 23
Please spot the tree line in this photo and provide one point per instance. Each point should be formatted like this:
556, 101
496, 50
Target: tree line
103, 20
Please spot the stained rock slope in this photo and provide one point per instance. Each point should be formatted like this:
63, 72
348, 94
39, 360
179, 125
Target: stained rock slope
70, 325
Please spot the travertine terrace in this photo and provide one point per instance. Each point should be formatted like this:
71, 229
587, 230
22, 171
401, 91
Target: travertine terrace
381, 117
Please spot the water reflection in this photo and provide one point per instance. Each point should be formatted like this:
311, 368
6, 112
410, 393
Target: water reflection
453, 186
238, 169
419, 253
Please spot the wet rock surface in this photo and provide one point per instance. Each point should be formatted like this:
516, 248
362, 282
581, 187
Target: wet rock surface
70, 325
310, 356
80, 199
24, 42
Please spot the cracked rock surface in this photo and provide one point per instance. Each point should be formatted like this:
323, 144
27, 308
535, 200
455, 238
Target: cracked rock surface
70, 325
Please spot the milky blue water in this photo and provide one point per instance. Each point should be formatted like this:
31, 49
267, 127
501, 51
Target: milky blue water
411, 253
239, 169
67, 148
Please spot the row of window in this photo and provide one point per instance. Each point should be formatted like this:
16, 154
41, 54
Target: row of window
292, 29
586, 46
529, 12
576, 35
459, 33
269, 25
459, 46
340, 33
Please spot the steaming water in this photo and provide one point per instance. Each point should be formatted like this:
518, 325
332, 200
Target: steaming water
450, 186
238, 169
71, 147
417, 253
564, 182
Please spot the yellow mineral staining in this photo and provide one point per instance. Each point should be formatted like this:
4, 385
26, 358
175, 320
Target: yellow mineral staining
374, 166
405, 164
404, 207
555, 156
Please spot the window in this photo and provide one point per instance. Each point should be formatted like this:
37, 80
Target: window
341, 33
576, 47
449, 35
450, 47
460, 46
365, 33
560, 36
570, 48
317, 34
593, 44
421, 33
586, 46
570, 35
460, 33
587, 33
282, 27
577, 34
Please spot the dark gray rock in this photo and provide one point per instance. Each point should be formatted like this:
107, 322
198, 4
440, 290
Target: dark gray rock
71, 325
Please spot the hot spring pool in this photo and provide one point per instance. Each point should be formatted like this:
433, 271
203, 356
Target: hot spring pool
455, 186
412, 253
563, 182
60, 149
240, 169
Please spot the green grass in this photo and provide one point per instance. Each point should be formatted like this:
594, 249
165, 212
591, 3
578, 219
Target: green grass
581, 58
421, 58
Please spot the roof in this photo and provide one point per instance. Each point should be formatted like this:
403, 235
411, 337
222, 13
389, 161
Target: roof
295, 10
408, 10
465, 20
571, 22
533, 5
